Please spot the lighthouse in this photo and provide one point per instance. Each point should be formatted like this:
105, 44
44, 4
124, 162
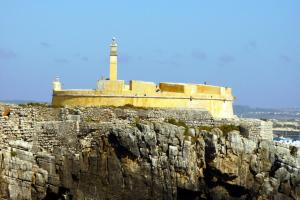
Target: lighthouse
113, 60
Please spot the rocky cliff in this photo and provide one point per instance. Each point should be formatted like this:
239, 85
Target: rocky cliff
128, 153
286, 125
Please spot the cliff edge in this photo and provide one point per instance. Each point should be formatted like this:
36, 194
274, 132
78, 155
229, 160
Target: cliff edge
129, 153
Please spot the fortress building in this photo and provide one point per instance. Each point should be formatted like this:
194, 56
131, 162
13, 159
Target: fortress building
113, 92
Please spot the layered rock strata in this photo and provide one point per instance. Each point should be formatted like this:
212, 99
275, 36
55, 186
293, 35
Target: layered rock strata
128, 153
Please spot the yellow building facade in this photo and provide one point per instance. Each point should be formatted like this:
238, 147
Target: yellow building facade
113, 92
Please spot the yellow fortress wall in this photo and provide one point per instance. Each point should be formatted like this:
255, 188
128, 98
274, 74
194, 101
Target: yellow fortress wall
217, 100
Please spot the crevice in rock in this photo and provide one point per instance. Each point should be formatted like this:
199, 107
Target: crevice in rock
75, 178
63, 193
276, 165
183, 194
236, 190
121, 151
213, 177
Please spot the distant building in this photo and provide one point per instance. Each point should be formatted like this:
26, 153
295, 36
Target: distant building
113, 92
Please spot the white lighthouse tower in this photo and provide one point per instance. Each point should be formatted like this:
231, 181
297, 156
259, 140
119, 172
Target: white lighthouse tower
56, 84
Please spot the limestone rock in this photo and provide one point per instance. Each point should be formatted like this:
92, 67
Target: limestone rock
131, 153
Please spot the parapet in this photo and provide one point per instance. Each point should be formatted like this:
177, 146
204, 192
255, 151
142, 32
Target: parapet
142, 87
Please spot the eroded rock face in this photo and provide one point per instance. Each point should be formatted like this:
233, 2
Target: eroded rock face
121, 154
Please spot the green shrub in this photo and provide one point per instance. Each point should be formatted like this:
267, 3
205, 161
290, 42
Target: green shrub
205, 128
127, 106
89, 119
177, 122
57, 106
13, 154
264, 119
34, 104
293, 150
194, 139
136, 122
228, 127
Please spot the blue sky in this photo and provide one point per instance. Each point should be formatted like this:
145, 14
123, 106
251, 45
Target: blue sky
252, 46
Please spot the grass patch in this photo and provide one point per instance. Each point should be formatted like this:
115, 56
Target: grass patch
228, 127
205, 128
57, 106
34, 104
194, 139
89, 119
130, 106
13, 154
177, 122
136, 122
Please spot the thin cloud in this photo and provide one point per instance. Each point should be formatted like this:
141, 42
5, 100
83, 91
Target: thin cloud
81, 57
226, 59
170, 60
167, 62
161, 59
159, 52
176, 56
45, 44
251, 45
140, 58
199, 55
84, 58
7, 54
61, 60
285, 58
124, 58
77, 55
